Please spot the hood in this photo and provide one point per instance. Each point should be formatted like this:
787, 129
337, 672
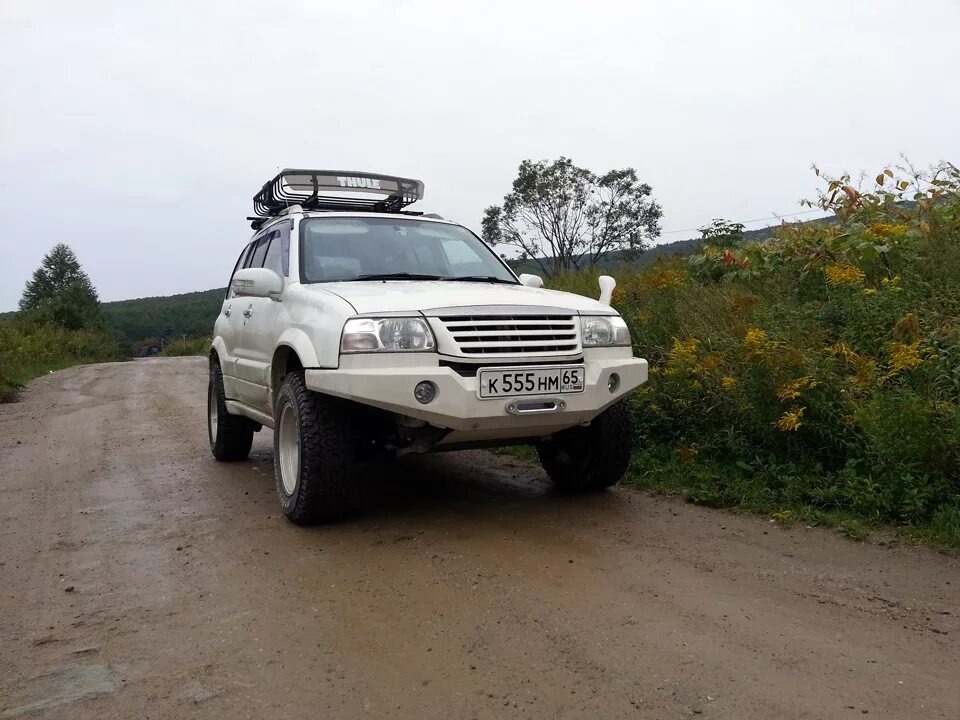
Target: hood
371, 296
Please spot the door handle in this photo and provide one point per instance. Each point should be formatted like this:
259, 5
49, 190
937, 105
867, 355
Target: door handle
248, 312
227, 312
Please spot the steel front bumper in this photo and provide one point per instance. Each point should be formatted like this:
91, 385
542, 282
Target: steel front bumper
387, 381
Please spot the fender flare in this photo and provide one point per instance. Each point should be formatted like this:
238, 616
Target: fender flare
218, 347
298, 341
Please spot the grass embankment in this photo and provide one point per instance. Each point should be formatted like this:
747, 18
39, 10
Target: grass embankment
29, 349
179, 348
814, 377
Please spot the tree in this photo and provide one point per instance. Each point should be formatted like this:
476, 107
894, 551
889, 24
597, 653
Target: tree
565, 217
61, 292
722, 233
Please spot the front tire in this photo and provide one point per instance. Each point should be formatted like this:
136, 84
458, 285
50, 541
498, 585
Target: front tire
591, 458
231, 436
313, 453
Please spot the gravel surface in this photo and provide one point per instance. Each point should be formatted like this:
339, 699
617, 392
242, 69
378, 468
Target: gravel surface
141, 579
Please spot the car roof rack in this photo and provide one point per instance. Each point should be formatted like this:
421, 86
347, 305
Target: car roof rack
334, 190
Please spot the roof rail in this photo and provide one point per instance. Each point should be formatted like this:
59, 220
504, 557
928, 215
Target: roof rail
311, 189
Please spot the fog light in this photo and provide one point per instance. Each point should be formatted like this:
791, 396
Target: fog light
613, 382
425, 392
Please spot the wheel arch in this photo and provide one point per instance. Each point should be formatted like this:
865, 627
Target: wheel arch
217, 351
293, 351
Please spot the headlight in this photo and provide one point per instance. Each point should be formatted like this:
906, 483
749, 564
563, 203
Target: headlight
604, 330
386, 335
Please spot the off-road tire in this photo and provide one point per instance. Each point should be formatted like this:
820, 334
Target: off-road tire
233, 436
591, 458
327, 451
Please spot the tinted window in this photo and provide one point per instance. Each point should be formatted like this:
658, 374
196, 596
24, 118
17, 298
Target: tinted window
284, 231
274, 258
259, 252
240, 260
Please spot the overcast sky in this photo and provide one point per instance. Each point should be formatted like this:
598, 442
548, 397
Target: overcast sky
137, 132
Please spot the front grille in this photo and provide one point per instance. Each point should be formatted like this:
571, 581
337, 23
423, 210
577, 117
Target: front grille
513, 334
467, 370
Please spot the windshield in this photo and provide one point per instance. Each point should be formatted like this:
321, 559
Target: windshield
343, 248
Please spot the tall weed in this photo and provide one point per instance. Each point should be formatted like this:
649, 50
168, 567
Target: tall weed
819, 370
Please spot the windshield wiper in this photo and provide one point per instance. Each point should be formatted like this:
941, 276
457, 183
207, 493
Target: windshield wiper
397, 276
481, 278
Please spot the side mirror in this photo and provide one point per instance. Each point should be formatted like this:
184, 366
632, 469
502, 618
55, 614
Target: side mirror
257, 282
534, 281
607, 284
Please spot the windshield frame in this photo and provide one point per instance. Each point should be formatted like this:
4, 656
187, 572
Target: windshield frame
306, 219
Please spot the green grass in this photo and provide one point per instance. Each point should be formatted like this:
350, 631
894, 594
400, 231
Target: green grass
197, 346
29, 349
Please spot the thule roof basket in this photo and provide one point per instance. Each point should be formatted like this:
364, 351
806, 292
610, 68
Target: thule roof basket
334, 190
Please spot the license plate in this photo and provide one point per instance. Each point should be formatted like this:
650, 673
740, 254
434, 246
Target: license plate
518, 381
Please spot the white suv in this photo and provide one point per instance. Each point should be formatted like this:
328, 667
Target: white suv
355, 328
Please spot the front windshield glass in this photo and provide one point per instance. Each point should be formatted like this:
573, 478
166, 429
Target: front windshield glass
343, 248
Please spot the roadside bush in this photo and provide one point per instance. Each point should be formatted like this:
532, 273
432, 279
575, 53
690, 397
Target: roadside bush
31, 346
197, 346
819, 370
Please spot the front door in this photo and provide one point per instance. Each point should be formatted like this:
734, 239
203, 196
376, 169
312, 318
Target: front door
227, 328
260, 328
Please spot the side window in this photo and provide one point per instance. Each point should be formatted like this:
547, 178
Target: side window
240, 261
276, 254
285, 231
256, 257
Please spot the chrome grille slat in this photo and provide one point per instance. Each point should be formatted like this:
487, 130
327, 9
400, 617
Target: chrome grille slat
513, 334
513, 343
479, 327
506, 335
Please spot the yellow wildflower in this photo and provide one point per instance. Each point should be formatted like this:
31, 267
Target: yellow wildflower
755, 341
845, 351
892, 283
865, 367
869, 291
844, 274
728, 382
903, 356
710, 362
662, 278
791, 390
885, 229
684, 352
907, 328
790, 420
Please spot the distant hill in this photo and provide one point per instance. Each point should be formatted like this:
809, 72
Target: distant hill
169, 317
192, 314
614, 260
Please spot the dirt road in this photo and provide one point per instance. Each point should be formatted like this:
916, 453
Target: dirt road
141, 579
